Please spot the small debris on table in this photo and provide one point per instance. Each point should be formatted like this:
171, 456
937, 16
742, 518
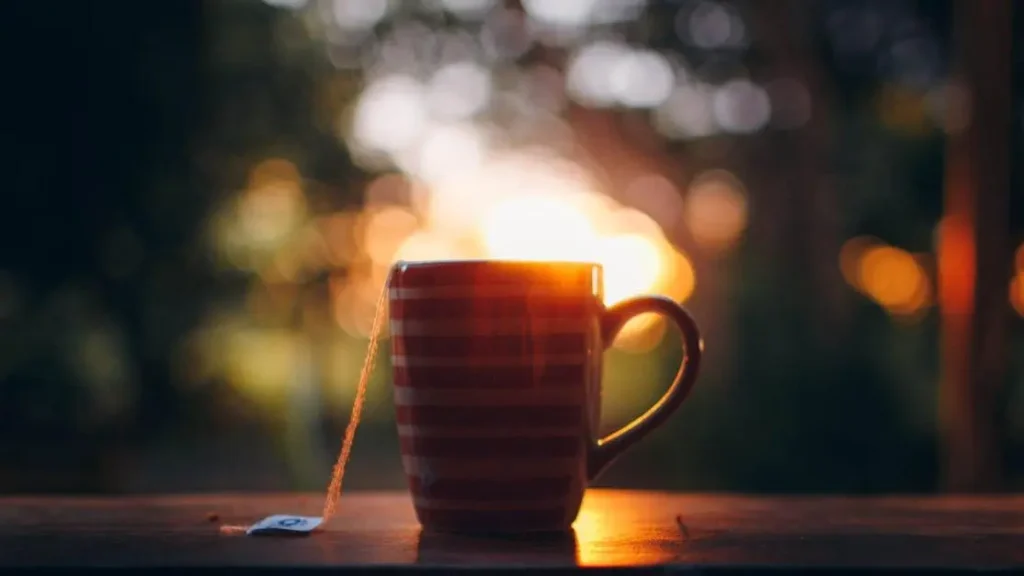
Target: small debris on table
212, 517
682, 526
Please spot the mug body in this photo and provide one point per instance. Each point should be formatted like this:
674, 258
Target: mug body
496, 370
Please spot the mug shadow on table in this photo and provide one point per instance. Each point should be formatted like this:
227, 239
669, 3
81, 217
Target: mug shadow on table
550, 549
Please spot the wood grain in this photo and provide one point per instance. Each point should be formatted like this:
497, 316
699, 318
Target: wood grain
615, 528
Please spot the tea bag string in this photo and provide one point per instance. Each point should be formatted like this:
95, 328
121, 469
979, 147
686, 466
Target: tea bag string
338, 473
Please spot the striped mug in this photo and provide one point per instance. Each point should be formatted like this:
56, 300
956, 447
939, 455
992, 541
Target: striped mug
497, 388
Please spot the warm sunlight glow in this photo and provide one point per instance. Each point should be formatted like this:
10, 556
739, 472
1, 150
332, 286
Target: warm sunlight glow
537, 228
520, 205
553, 228
632, 266
598, 525
429, 245
684, 278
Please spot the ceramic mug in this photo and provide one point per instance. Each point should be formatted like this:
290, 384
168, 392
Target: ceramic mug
497, 388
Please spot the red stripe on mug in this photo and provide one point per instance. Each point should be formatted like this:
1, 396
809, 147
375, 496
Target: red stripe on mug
491, 432
476, 346
458, 377
472, 307
492, 468
469, 447
490, 416
539, 396
472, 326
495, 362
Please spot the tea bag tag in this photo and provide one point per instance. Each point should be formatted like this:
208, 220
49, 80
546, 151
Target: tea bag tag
285, 524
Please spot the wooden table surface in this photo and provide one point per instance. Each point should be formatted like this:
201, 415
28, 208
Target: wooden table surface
615, 528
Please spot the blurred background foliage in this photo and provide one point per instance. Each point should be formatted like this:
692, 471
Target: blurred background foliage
205, 197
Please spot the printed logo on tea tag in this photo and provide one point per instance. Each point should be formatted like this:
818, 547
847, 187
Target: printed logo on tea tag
283, 524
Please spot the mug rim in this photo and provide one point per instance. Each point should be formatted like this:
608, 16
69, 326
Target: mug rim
485, 262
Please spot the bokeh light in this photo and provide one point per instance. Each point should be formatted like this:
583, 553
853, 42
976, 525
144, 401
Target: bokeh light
568, 13
711, 25
890, 276
248, 231
360, 15
894, 278
587, 77
287, 4
391, 115
445, 151
260, 363
470, 9
642, 79
459, 90
269, 210
715, 209
658, 197
608, 72
742, 107
1017, 282
385, 231
687, 113
1017, 293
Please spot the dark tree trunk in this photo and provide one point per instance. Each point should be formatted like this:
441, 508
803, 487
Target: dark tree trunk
975, 253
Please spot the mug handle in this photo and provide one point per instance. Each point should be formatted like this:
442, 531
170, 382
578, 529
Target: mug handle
612, 446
